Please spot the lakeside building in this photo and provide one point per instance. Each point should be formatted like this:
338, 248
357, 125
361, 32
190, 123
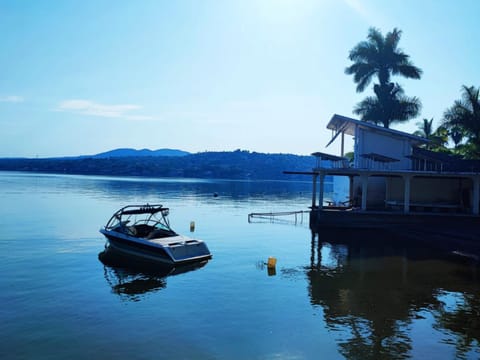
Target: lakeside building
395, 183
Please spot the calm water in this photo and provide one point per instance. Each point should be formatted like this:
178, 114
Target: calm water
329, 298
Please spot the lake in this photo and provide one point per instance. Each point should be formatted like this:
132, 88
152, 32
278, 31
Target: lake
330, 296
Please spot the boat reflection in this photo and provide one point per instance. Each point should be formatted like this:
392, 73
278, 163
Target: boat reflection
132, 281
374, 293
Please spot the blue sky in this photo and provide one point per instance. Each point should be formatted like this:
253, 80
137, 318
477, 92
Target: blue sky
83, 77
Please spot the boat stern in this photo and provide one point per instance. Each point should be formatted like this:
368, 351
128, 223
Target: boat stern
184, 250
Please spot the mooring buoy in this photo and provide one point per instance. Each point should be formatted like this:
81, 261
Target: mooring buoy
271, 263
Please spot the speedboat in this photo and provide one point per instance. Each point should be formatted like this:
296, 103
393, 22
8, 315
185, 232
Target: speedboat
144, 232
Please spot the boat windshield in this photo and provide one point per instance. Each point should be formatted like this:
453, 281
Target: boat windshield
151, 215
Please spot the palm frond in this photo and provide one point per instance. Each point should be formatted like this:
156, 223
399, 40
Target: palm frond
463, 118
368, 110
405, 108
379, 56
471, 97
388, 106
393, 38
407, 70
375, 37
362, 74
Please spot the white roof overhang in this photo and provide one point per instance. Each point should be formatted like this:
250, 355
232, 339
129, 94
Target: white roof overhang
342, 124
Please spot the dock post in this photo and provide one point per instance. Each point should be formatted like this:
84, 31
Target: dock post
320, 191
314, 191
351, 195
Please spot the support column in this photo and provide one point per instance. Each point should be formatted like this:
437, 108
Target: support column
476, 195
342, 151
320, 191
314, 191
351, 194
406, 194
364, 180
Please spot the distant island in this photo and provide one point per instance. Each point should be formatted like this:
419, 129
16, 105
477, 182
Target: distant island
238, 165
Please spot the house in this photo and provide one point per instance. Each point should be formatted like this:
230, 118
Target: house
390, 171
398, 188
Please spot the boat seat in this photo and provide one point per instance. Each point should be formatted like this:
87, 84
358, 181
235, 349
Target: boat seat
142, 230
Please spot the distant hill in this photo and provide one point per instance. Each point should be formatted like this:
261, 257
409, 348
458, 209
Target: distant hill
126, 152
208, 165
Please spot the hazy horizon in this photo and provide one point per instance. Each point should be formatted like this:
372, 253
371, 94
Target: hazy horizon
150, 150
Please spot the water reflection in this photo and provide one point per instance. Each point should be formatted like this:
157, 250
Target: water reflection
199, 188
462, 318
374, 291
132, 281
131, 285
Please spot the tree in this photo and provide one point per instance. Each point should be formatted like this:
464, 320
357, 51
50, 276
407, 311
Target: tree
425, 128
439, 140
457, 134
463, 118
388, 107
380, 57
438, 137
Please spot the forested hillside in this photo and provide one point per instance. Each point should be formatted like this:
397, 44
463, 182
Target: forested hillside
225, 165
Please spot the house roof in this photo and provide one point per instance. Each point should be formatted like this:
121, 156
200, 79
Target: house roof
379, 157
330, 157
434, 156
449, 162
347, 125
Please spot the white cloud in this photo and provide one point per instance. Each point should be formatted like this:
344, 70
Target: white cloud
87, 107
11, 98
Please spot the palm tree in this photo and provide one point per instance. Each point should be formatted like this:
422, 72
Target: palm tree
456, 133
464, 116
439, 140
388, 107
438, 137
425, 128
380, 57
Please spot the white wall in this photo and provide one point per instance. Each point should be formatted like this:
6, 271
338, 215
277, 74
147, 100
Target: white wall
383, 144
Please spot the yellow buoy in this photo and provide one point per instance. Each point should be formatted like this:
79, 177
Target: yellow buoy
271, 262
192, 226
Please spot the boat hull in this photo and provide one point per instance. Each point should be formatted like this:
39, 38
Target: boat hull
145, 251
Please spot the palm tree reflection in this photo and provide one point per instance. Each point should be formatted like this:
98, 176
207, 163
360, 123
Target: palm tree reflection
373, 292
462, 320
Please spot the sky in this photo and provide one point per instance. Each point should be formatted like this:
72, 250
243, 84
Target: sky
88, 76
